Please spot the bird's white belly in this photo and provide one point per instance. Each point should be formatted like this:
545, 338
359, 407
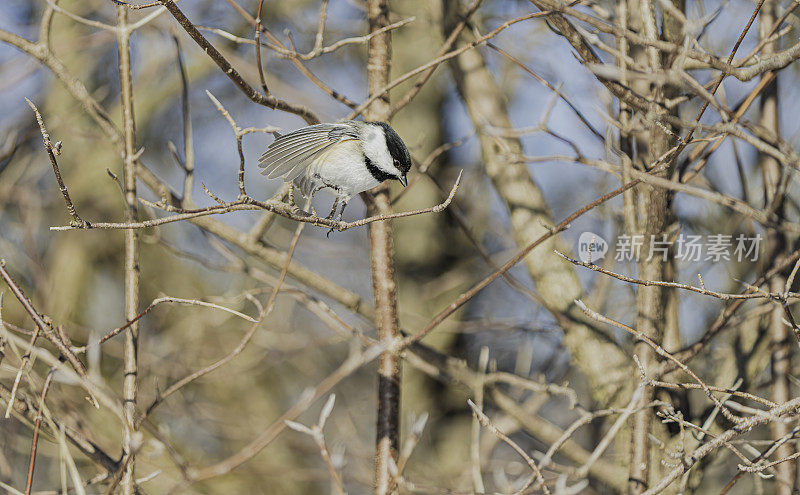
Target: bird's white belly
343, 165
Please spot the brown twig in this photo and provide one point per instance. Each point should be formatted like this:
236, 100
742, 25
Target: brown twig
416, 429
280, 48
724, 317
696, 386
549, 86
238, 133
23, 368
37, 423
708, 148
266, 100
789, 408
26, 410
718, 80
354, 362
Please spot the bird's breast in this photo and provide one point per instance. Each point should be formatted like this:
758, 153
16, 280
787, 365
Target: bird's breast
343, 165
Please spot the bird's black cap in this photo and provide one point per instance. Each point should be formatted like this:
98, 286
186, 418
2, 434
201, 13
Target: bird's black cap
397, 148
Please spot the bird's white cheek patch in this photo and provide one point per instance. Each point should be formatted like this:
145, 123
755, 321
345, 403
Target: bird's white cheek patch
376, 150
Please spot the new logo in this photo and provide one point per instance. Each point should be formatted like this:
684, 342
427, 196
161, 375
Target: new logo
591, 247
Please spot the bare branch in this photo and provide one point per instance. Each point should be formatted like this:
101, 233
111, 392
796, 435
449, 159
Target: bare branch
286, 210
51, 152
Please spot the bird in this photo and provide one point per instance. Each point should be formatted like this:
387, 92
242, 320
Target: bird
346, 157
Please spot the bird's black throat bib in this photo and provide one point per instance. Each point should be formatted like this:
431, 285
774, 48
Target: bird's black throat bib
379, 174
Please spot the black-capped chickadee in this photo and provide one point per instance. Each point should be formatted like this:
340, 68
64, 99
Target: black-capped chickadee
347, 157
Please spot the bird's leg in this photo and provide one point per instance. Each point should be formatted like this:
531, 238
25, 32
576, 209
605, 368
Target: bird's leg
341, 212
290, 195
318, 188
343, 202
311, 197
333, 208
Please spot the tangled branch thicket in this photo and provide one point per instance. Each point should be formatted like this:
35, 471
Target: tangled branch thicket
601, 300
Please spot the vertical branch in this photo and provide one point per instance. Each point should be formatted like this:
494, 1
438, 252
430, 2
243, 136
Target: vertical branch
188, 141
129, 383
651, 300
774, 199
257, 39
379, 55
626, 140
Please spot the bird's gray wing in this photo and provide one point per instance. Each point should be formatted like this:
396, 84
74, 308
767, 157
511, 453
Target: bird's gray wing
290, 155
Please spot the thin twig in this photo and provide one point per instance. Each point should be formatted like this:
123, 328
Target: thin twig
676, 285
43, 327
244, 340
486, 422
191, 302
256, 37
662, 352
354, 362
315, 432
37, 423
51, 152
466, 296
696, 386
437, 61
718, 80
451, 39
266, 100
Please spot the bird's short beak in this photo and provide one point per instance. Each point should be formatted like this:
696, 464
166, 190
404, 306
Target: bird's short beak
403, 180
